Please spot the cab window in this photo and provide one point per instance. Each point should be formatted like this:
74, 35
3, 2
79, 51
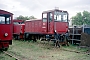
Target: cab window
15, 23
5, 19
50, 17
45, 17
60, 16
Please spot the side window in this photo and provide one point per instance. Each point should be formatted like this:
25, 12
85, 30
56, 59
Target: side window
57, 17
8, 20
15, 23
45, 17
60, 16
50, 17
5, 19
65, 18
2, 20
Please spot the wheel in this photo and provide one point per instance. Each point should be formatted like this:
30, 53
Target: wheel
26, 36
5, 49
17, 37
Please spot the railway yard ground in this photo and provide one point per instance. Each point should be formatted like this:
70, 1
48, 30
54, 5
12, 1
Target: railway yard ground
41, 50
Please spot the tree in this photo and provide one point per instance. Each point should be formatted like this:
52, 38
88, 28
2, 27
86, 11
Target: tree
25, 18
81, 18
32, 17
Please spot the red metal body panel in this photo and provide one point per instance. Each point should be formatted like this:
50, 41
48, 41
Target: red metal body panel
53, 20
37, 26
22, 28
47, 28
33, 26
6, 29
19, 28
5, 12
17, 20
61, 27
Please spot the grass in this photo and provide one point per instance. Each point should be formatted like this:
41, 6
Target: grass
5, 57
44, 51
75, 48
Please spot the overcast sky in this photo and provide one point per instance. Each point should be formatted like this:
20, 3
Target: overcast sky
36, 7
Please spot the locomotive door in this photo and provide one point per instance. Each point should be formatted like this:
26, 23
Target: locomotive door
47, 25
44, 23
50, 22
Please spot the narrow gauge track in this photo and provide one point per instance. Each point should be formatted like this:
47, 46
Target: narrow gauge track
15, 56
76, 51
11, 55
79, 52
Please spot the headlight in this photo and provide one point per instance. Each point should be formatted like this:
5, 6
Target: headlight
6, 34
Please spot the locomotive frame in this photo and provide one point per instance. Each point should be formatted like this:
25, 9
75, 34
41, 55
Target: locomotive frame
44, 28
18, 29
6, 28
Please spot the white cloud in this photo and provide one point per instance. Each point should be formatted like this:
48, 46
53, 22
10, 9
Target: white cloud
36, 7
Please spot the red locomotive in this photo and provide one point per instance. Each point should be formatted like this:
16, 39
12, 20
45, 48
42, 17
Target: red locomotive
52, 20
6, 28
18, 29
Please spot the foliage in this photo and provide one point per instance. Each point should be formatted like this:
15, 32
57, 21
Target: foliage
41, 51
25, 18
81, 18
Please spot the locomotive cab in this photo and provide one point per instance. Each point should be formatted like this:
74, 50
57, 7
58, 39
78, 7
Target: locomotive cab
55, 20
43, 29
18, 29
5, 29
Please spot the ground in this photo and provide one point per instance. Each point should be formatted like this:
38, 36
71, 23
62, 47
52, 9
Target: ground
25, 50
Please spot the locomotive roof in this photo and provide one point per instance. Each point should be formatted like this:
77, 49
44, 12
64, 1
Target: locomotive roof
17, 20
33, 19
5, 12
54, 10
